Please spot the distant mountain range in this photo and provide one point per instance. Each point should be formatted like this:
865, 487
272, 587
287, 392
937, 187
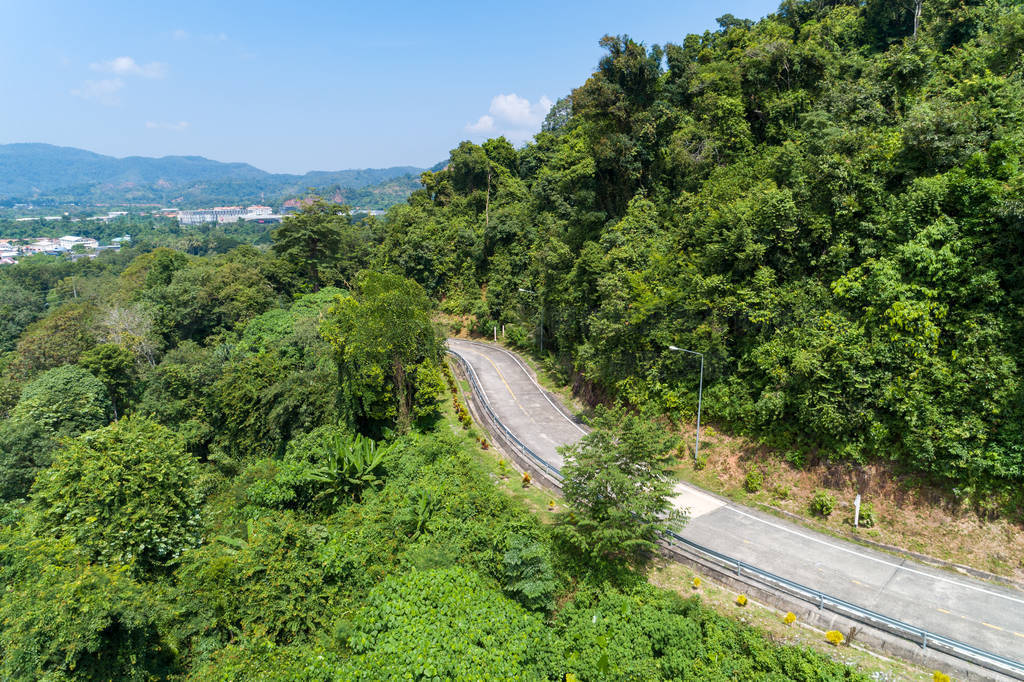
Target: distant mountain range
51, 175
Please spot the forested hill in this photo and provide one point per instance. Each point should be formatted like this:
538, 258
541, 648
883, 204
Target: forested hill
827, 203
31, 172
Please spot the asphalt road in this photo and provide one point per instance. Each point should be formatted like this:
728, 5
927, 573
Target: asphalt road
983, 615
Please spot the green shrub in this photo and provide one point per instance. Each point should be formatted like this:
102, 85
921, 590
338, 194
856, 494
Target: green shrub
279, 582
125, 493
754, 480
822, 503
517, 336
867, 515
291, 484
797, 459
446, 624
65, 618
527, 575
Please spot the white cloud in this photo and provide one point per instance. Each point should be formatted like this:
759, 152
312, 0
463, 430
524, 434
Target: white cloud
484, 125
126, 66
175, 127
103, 91
179, 34
513, 116
518, 111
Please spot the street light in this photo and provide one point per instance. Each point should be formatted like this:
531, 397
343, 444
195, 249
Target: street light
540, 322
700, 393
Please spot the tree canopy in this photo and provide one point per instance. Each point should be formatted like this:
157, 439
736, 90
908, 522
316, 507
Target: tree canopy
824, 202
125, 493
386, 351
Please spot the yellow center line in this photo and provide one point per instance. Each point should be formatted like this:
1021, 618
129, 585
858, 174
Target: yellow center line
1018, 634
944, 611
994, 627
507, 387
500, 375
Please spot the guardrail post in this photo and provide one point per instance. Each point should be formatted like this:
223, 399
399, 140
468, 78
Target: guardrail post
821, 601
924, 640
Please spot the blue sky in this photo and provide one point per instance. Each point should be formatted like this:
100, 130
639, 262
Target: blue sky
292, 87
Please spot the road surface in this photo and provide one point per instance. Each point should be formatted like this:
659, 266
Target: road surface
983, 615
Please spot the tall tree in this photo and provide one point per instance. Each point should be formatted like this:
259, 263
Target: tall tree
311, 239
617, 489
115, 367
386, 352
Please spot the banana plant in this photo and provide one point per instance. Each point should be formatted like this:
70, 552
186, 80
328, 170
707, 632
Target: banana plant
351, 464
422, 509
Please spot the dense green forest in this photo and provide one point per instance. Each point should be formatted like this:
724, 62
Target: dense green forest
826, 203
246, 463
226, 467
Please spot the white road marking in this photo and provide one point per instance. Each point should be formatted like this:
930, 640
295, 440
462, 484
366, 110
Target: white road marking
540, 388
694, 500
694, 514
805, 536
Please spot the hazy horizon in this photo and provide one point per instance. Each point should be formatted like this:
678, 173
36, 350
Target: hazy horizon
208, 158
321, 86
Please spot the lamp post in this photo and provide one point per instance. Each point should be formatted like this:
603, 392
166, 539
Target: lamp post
540, 322
700, 393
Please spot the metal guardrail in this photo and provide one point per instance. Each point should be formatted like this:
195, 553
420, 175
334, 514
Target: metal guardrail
919, 636
475, 383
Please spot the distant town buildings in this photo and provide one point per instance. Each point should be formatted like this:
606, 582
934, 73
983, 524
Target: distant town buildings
227, 214
12, 249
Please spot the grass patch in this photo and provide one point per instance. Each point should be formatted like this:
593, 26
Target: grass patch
681, 579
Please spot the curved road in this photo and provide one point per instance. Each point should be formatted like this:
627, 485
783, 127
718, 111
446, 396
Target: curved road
986, 616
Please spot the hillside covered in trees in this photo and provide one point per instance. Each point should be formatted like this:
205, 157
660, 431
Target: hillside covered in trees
226, 468
48, 177
826, 203
254, 464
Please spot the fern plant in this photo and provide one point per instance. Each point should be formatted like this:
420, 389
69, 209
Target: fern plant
527, 574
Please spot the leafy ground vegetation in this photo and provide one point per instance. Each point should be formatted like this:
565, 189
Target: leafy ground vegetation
240, 465
826, 203
230, 467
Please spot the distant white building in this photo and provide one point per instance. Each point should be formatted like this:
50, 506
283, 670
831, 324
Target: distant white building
68, 242
41, 246
226, 214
